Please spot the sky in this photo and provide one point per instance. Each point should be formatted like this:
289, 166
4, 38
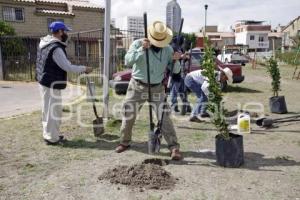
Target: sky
223, 13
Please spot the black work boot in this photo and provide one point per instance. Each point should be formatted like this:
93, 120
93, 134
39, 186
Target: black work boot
175, 108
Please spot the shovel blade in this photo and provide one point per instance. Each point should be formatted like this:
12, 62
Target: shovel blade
267, 123
154, 141
259, 122
98, 127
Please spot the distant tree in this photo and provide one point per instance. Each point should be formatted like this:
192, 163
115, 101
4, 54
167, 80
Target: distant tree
11, 45
296, 42
291, 57
6, 29
190, 38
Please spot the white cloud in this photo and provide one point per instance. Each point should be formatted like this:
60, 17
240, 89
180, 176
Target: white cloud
220, 12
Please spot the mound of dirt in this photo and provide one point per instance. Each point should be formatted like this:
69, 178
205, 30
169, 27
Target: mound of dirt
148, 176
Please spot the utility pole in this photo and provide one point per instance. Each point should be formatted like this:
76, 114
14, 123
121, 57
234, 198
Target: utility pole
205, 7
1, 65
106, 59
273, 44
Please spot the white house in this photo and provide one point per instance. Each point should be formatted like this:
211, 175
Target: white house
254, 34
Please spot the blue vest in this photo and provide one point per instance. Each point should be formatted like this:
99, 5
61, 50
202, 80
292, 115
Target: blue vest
48, 73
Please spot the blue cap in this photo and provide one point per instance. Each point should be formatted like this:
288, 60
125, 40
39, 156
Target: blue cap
58, 25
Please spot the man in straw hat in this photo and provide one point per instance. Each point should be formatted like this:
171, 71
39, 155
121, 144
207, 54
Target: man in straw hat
161, 56
198, 84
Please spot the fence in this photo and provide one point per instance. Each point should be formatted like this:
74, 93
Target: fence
18, 57
84, 48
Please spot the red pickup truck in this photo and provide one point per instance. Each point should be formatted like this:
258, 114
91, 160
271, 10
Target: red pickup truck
121, 79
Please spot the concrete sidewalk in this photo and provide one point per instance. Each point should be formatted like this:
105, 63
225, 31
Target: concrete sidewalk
22, 97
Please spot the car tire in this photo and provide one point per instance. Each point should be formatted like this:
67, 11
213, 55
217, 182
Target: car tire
224, 86
120, 92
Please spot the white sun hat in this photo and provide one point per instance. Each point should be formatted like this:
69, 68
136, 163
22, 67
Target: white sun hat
228, 74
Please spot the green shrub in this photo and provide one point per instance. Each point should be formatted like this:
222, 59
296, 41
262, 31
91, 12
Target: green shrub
291, 57
11, 45
6, 29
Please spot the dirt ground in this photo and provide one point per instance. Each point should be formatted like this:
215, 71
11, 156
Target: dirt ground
32, 170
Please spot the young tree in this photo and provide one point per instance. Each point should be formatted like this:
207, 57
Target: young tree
215, 99
275, 75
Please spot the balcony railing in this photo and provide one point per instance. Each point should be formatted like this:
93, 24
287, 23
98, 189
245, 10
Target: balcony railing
263, 44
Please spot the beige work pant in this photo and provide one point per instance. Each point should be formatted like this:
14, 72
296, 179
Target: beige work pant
136, 96
51, 113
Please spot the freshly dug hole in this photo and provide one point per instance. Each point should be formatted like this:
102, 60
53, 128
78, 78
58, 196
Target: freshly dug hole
156, 161
149, 176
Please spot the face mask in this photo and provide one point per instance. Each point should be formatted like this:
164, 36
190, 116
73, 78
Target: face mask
64, 37
154, 48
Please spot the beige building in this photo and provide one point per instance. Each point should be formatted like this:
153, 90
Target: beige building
210, 29
291, 31
218, 39
275, 41
32, 17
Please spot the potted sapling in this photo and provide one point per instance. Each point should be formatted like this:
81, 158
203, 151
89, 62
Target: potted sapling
277, 103
229, 146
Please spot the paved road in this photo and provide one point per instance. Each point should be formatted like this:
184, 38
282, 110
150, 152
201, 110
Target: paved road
20, 97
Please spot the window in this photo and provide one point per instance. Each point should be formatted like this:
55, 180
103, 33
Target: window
50, 20
261, 38
214, 37
252, 37
13, 14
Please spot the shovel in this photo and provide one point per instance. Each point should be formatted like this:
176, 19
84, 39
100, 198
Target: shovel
185, 104
154, 138
98, 122
268, 122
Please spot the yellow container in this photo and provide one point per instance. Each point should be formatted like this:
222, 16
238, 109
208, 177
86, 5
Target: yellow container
243, 123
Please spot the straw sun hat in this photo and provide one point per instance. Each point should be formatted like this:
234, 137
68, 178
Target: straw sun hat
159, 34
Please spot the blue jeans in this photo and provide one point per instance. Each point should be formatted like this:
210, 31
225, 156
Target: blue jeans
200, 107
174, 92
178, 89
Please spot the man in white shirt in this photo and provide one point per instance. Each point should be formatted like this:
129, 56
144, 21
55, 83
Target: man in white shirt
198, 84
